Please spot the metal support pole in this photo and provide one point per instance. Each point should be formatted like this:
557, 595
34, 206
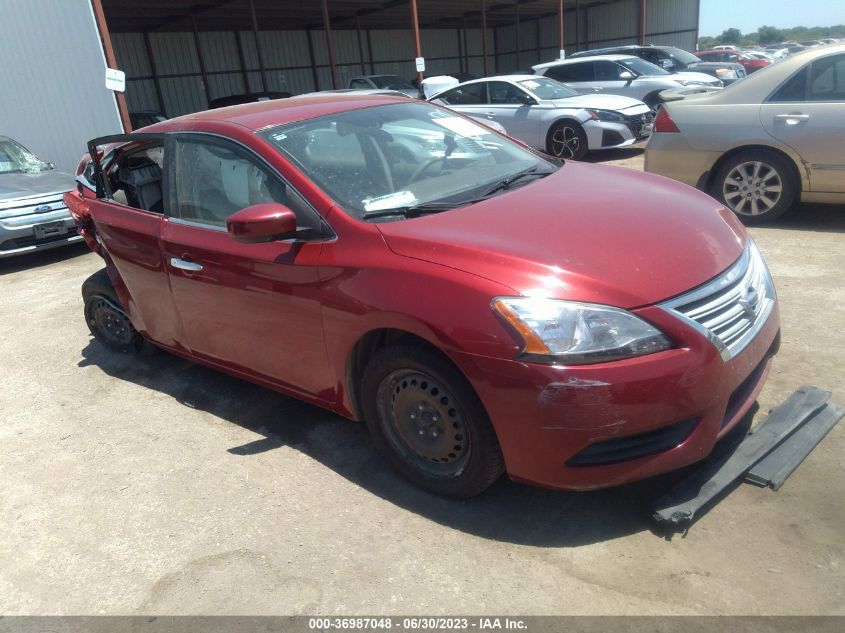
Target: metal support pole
258, 46
327, 26
560, 23
577, 25
201, 61
417, 47
111, 60
360, 45
242, 60
484, 35
466, 49
370, 53
153, 68
314, 74
460, 50
516, 25
642, 22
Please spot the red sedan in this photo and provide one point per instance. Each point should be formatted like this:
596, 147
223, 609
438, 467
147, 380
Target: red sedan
483, 307
751, 64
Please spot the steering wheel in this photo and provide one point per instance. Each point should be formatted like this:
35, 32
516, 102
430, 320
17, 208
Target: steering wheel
419, 171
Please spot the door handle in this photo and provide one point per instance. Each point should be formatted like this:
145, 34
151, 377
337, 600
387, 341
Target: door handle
489, 115
181, 263
793, 118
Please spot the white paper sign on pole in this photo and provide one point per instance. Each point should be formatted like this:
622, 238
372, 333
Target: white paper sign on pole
115, 80
562, 54
420, 61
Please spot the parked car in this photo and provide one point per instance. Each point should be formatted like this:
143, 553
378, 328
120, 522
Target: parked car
143, 118
751, 64
33, 216
383, 82
503, 313
761, 144
623, 75
250, 97
673, 60
549, 116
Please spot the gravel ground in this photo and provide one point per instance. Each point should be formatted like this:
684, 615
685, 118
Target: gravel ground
151, 485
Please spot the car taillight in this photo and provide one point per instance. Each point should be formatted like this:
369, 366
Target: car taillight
664, 123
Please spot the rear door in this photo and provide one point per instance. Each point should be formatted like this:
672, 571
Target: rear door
253, 308
578, 75
128, 214
807, 113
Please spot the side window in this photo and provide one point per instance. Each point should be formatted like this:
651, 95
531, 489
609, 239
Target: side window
504, 93
730, 57
471, 94
651, 56
359, 84
827, 79
215, 180
136, 178
795, 89
582, 71
608, 71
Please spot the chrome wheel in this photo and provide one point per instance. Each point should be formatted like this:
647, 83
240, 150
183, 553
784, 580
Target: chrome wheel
752, 188
424, 424
566, 142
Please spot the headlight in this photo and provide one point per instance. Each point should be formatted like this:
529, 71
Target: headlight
570, 333
606, 115
725, 73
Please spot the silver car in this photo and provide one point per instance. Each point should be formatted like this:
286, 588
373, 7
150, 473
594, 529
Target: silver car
547, 115
760, 144
33, 216
624, 75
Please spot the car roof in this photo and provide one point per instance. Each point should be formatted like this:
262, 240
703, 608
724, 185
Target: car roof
591, 58
257, 116
519, 77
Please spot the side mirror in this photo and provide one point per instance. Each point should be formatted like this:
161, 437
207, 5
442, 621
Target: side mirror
526, 99
263, 222
627, 75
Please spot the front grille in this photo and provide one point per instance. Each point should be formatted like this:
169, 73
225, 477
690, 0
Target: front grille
636, 123
732, 308
30, 206
622, 449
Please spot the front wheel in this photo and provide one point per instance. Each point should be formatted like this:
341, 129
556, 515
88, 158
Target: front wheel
757, 185
567, 140
426, 419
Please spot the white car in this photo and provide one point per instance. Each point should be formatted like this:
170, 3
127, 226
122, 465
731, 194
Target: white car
548, 116
624, 75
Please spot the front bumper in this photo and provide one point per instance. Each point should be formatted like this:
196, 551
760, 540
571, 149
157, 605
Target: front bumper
612, 134
26, 234
545, 416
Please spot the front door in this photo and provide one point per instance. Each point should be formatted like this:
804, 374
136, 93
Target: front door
253, 308
807, 113
507, 105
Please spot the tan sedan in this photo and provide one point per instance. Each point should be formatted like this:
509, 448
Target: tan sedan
764, 142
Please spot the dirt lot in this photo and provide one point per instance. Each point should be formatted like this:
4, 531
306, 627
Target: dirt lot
153, 485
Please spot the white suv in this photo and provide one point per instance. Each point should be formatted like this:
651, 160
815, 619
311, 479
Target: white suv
624, 75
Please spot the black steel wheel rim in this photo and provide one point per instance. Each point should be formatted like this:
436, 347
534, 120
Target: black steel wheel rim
110, 322
424, 423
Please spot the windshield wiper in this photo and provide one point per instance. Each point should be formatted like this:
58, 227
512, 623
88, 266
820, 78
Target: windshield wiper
413, 211
504, 185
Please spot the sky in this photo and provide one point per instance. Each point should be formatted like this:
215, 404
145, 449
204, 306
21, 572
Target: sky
749, 15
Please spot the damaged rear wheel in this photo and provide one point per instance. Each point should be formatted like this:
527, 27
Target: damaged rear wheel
105, 317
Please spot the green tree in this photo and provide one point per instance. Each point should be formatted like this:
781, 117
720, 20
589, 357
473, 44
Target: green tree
730, 36
769, 35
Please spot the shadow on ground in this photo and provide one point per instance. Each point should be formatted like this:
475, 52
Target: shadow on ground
623, 153
508, 511
28, 261
824, 218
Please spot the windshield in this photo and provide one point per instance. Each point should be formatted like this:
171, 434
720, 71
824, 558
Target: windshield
402, 155
642, 67
391, 82
547, 89
15, 158
682, 56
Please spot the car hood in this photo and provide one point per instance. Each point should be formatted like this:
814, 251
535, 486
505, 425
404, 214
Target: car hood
17, 185
700, 77
586, 233
599, 102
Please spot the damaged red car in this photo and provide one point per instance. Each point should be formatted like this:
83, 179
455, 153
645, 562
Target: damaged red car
485, 308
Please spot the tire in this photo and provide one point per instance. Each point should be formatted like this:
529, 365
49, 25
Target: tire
759, 186
426, 419
567, 140
105, 317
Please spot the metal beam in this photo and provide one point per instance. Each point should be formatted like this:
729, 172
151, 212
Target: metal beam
201, 60
258, 45
417, 47
242, 60
154, 70
560, 23
516, 29
111, 60
327, 26
642, 22
484, 34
